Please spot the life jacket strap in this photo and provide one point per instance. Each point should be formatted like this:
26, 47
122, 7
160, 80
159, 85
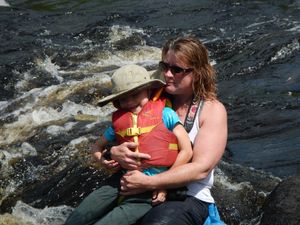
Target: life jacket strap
135, 131
173, 146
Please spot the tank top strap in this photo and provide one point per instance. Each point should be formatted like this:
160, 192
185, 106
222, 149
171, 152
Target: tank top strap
194, 107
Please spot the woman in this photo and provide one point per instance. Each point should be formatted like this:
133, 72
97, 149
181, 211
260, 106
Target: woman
190, 82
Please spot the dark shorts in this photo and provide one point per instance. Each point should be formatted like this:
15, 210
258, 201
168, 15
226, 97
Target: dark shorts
191, 211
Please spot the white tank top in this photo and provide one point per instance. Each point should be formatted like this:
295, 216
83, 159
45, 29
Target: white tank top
200, 189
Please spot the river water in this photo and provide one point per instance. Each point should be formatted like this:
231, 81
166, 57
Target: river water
56, 58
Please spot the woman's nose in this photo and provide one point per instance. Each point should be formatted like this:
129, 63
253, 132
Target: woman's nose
168, 73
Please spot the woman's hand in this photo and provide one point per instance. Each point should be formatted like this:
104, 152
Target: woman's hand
126, 156
135, 182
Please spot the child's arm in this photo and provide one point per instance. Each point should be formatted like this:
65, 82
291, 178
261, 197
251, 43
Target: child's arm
98, 148
98, 151
184, 144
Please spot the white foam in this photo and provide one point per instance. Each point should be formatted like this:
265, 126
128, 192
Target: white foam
118, 32
295, 28
55, 130
4, 3
44, 115
50, 67
224, 180
3, 104
142, 55
26, 123
29, 121
7, 169
260, 23
286, 50
28, 149
47, 216
46, 65
7, 156
79, 140
39, 96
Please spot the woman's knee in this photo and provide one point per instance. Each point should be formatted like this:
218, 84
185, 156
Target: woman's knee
160, 215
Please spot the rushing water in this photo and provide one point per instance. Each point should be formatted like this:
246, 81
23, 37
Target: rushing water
56, 58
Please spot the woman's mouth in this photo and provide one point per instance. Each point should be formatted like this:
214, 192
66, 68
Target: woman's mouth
168, 83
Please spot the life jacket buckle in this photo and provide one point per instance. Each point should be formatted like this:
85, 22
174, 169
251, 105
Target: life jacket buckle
133, 131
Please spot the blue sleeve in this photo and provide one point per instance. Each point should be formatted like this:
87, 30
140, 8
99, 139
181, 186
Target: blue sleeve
109, 134
170, 118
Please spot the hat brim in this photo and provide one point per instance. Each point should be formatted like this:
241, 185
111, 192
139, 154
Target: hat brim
153, 84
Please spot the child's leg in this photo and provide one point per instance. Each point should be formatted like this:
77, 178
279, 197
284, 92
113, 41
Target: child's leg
96, 204
130, 210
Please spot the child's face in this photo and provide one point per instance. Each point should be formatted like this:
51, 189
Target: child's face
135, 101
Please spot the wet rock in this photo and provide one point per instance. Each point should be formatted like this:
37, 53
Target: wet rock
240, 192
67, 187
283, 204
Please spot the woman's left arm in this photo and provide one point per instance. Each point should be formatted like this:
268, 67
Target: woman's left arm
208, 149
210, 142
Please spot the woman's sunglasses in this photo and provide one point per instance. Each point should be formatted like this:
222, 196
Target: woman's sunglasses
165, 67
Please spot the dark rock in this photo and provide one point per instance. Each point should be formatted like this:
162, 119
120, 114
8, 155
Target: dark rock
283, 204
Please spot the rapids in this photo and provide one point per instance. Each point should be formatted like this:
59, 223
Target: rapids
56, 59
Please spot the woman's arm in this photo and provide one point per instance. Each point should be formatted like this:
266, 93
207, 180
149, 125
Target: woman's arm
208, 149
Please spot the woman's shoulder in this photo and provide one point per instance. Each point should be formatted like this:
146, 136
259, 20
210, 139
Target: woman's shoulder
213, 108
214, 104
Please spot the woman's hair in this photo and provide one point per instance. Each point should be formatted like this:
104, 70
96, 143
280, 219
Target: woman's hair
194, 54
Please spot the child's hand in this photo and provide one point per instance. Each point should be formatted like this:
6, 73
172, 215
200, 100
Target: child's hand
159, 196
109, 164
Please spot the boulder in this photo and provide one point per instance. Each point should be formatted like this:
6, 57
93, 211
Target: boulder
282, 206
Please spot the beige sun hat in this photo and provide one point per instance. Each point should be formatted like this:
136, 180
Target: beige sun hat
128, 79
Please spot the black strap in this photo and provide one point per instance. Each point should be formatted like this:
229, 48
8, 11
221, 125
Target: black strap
191, 114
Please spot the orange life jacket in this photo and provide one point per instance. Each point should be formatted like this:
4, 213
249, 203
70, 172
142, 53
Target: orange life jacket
148, 130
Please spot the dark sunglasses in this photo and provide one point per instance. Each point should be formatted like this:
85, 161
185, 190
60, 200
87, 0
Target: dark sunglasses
174, 69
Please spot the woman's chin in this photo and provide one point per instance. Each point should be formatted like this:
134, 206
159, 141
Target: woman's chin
170, 89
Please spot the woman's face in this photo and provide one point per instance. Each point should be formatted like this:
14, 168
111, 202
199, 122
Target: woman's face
177, 83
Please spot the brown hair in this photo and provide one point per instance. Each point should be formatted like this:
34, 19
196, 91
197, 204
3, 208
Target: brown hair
194, 54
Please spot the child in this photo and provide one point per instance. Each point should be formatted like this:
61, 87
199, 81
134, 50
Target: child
144, 119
